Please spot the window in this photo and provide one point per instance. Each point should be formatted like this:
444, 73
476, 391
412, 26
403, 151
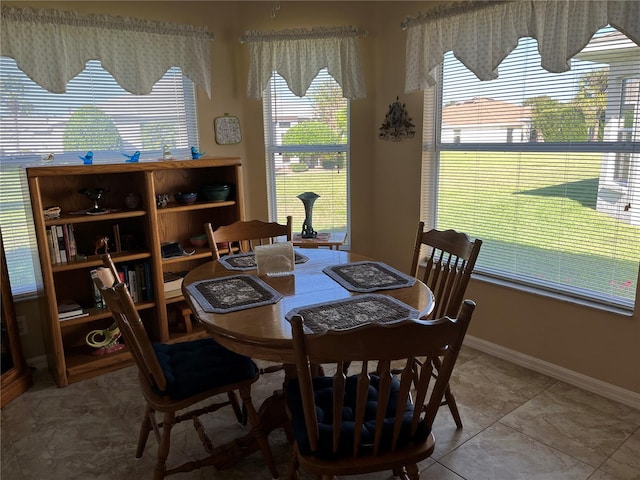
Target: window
95, 114
509, 135
549, 202
307, 148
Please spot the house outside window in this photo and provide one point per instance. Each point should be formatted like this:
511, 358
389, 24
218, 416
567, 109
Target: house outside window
94, 114
307, 149
558, 219
628, 117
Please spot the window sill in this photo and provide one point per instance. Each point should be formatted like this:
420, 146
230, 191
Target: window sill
553, 295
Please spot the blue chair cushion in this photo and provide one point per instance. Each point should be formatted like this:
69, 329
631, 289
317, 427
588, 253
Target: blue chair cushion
199, 365
323, 394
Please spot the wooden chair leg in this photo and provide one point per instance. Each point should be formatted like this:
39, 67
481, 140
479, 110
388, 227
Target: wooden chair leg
449, 399
168, 422
254, 420
236, 406
412, 472
145, 429
453, 406
292, 474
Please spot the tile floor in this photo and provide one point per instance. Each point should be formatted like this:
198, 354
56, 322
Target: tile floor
518, 425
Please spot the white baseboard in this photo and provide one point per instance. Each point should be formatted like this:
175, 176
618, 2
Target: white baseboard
576, 379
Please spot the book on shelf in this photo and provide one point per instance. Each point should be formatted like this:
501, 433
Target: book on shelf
52, 253
61, 245
141, 282
137, 278
172, 293
173, 281
146, 266
116, 238
73, 249
53, 244
68, 309
67, 241
68, 316
133, 284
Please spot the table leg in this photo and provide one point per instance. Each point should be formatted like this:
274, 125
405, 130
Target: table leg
273, 414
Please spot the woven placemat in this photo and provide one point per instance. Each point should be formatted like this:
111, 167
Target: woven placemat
230, 294
247, 261
368, 276
352, 312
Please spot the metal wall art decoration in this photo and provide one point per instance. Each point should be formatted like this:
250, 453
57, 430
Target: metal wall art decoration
227, 130
397, 123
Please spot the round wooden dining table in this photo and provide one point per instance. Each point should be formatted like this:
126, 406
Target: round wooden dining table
263, 332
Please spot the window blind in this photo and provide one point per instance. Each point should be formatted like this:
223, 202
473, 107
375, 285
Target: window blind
307, 149
94, 114
545, 168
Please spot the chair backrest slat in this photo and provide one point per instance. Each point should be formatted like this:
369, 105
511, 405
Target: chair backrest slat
243, 236
450, 260
124, 313
406, 380
384, 389
339, 385
380, 349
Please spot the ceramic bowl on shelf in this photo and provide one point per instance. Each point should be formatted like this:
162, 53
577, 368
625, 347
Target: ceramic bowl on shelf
199, 241
186, 198
217, 192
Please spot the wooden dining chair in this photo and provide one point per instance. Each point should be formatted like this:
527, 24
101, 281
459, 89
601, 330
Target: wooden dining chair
175, 377
444, 261
384, 421
242, 236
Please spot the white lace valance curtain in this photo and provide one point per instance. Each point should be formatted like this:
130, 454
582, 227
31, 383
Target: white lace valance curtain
482, 36
298, 56
53, 46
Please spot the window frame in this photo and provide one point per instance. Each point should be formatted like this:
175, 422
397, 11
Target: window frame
14, 162
433, 147
272, 148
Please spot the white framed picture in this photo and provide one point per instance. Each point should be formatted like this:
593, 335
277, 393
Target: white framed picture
227, 130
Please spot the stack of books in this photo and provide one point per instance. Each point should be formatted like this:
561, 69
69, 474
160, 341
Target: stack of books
62, 243
173, 284
70, 309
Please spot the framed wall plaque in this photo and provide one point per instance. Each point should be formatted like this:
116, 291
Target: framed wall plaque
227, 130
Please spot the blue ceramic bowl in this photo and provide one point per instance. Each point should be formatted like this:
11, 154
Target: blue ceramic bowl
186, 198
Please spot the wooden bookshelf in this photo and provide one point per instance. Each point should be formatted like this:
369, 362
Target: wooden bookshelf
141, 232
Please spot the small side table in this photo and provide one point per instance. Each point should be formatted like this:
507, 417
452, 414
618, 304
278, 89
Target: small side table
333, 240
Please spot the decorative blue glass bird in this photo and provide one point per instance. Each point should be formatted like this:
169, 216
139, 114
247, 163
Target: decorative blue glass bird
88, 158
195, 154
132, 158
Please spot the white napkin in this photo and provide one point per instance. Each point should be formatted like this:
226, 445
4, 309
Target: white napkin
275, 259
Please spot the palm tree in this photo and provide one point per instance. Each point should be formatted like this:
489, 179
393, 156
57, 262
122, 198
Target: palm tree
591, 99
